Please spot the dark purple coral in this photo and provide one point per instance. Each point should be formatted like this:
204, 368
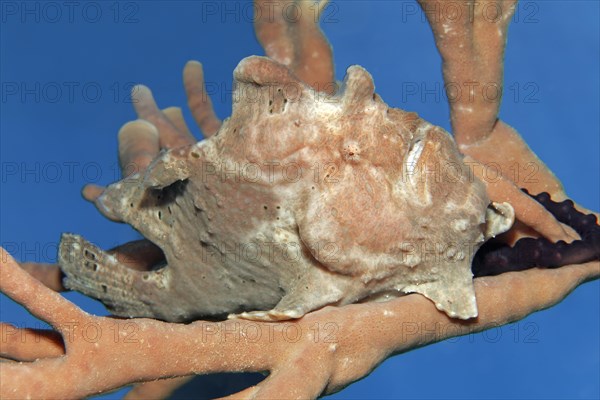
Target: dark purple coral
495, 258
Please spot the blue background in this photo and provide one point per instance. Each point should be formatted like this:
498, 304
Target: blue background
51, 145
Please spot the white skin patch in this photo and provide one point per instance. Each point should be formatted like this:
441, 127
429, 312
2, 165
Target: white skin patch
413, 157
460, 225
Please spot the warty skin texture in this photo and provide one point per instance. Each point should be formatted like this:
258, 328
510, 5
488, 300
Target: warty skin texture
301, 200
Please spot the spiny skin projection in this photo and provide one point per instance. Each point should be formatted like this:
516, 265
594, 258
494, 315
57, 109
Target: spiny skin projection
494, 259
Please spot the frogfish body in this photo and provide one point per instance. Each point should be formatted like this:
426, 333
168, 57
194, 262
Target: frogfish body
301, 200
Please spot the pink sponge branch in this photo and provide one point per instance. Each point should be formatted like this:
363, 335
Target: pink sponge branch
471, 38
42, 302
320, 353
296, 40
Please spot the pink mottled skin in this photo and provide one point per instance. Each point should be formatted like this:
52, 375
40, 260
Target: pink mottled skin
300, 200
